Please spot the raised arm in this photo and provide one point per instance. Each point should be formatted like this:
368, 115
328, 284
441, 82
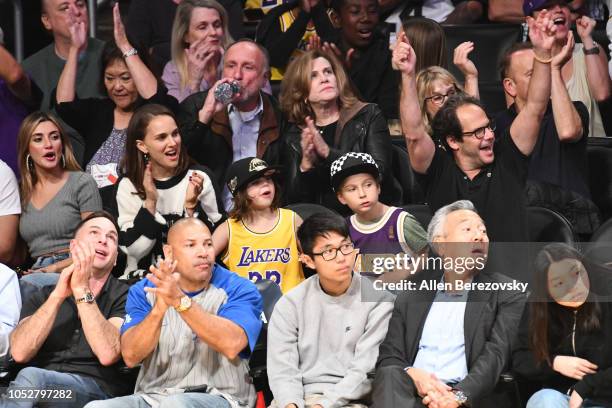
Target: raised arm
145, 81
139, 341
421, 147
596, 64
14, 75
220, 333
67, 81
467, 68
526, 127
567, 120
102, 335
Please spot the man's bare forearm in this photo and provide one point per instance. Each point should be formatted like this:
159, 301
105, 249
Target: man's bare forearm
567, 121
30, 334
140, 341
102, 336
223, 335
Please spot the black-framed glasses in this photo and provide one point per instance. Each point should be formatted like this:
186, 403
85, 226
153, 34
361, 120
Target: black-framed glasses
439, 99
480, 132
331, 253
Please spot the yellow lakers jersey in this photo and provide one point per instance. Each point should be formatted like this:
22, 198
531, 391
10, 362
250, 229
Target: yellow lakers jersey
286, 19
271, 255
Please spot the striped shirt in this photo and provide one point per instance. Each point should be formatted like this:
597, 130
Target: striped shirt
181, 359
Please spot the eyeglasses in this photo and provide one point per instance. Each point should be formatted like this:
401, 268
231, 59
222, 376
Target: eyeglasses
331, 253
439, 99
480, 132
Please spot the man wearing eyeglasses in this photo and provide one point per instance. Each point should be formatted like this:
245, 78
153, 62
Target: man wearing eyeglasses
322, 338
475, 166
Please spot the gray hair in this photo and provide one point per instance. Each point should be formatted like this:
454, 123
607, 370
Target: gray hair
439, 219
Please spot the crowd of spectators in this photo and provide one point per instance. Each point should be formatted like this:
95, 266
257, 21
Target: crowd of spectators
146, 186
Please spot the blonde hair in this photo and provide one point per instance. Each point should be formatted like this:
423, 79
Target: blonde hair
180, 28
295, 87
424, 84
28, 172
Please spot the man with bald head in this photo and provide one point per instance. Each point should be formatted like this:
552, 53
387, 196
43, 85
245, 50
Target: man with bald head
218, 134
192, 324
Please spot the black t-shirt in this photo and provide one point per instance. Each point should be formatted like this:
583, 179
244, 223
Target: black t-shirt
561, 164
497, 191
66, 348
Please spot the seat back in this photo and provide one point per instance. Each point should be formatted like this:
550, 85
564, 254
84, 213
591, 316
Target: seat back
600, 178
305, 210
421, 212
603, 233
490, 42
403, 173
270, 294
546, 225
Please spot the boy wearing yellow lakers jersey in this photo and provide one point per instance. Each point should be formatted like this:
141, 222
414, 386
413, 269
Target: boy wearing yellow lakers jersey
258, 240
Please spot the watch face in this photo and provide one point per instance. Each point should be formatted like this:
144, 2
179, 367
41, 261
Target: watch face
89, 297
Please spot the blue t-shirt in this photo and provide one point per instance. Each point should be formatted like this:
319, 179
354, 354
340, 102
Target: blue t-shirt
241, 304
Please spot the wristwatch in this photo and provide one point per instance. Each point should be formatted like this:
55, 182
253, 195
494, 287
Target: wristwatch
184, 305
460, 397
87, 298
591, 51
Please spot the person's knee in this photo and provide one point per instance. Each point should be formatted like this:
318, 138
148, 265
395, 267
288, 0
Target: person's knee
547, 398
31, 377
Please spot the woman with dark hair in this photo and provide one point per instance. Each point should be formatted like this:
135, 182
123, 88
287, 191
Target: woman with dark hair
102, 122
328, 120
160, 186
565, 340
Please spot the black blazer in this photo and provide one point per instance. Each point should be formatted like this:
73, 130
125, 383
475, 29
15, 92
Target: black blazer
490, 327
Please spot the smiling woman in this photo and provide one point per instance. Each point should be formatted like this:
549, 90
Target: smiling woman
160, 187
102, 123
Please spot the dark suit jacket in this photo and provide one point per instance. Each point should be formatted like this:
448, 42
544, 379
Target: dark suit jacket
490, 327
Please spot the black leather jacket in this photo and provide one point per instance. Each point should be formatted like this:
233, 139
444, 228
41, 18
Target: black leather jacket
361, 128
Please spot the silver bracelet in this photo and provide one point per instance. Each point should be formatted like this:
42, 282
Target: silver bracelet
130, 52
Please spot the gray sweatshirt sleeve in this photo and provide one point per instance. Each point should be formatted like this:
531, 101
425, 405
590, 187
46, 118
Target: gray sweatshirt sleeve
284, 374
355, 385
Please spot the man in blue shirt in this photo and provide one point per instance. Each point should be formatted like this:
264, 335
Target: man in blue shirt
449, 338
192, 324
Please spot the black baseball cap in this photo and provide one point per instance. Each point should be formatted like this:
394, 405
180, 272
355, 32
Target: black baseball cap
243, 171
350, 164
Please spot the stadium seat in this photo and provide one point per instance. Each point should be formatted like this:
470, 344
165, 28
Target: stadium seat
270, 293
603, 233
548, 226
421, 212
403, 173
305, 210
490, 42
600, 178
